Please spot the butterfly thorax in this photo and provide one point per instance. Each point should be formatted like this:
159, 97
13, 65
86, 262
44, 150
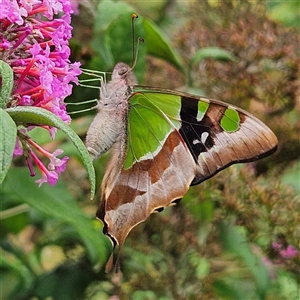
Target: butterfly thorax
109, 125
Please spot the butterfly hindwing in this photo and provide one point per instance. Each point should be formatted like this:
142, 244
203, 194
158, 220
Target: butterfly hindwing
173, 140
155, 170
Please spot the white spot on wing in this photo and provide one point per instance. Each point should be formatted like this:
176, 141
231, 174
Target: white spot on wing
204, 137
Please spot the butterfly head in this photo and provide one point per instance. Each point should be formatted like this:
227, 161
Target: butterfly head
123, 71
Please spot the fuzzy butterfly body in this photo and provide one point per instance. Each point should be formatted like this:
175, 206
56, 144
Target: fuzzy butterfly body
162, 142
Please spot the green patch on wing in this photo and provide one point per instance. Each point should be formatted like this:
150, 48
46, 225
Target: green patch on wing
152, 117
230, 122
202, 108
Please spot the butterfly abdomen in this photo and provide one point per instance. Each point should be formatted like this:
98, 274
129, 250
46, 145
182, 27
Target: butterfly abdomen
102, 134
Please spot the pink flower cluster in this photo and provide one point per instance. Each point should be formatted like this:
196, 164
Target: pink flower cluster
285, 252
34, 38
36, 46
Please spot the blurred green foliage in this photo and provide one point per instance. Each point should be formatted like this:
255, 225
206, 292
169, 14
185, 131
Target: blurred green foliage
217, 242
286, 12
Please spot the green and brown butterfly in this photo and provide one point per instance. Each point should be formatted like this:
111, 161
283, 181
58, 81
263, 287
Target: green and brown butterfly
163, 142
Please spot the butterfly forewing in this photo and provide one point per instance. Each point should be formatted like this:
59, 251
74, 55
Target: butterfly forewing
218, 135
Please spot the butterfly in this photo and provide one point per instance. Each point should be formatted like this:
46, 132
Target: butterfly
163, 142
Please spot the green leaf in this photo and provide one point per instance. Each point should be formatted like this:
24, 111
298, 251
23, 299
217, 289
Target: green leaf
13, 219
109, 12
226, 289
234, 241
14, 273
40, 116
211, 52
289, 287
113, 24
158, 45
112, 38
286, 12
291, 176
8, 134
7, 76
57, 202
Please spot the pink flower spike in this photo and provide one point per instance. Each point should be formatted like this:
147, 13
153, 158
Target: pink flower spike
42, 180
52, 131
30, 166
25, 72
289, 252
47, 176
38, 147
276, 246
18, 149
57, 164
34, 41
25, 100
51, 177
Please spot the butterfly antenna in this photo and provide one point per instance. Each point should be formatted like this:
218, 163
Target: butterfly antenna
140, 40
135, 50
133, 17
